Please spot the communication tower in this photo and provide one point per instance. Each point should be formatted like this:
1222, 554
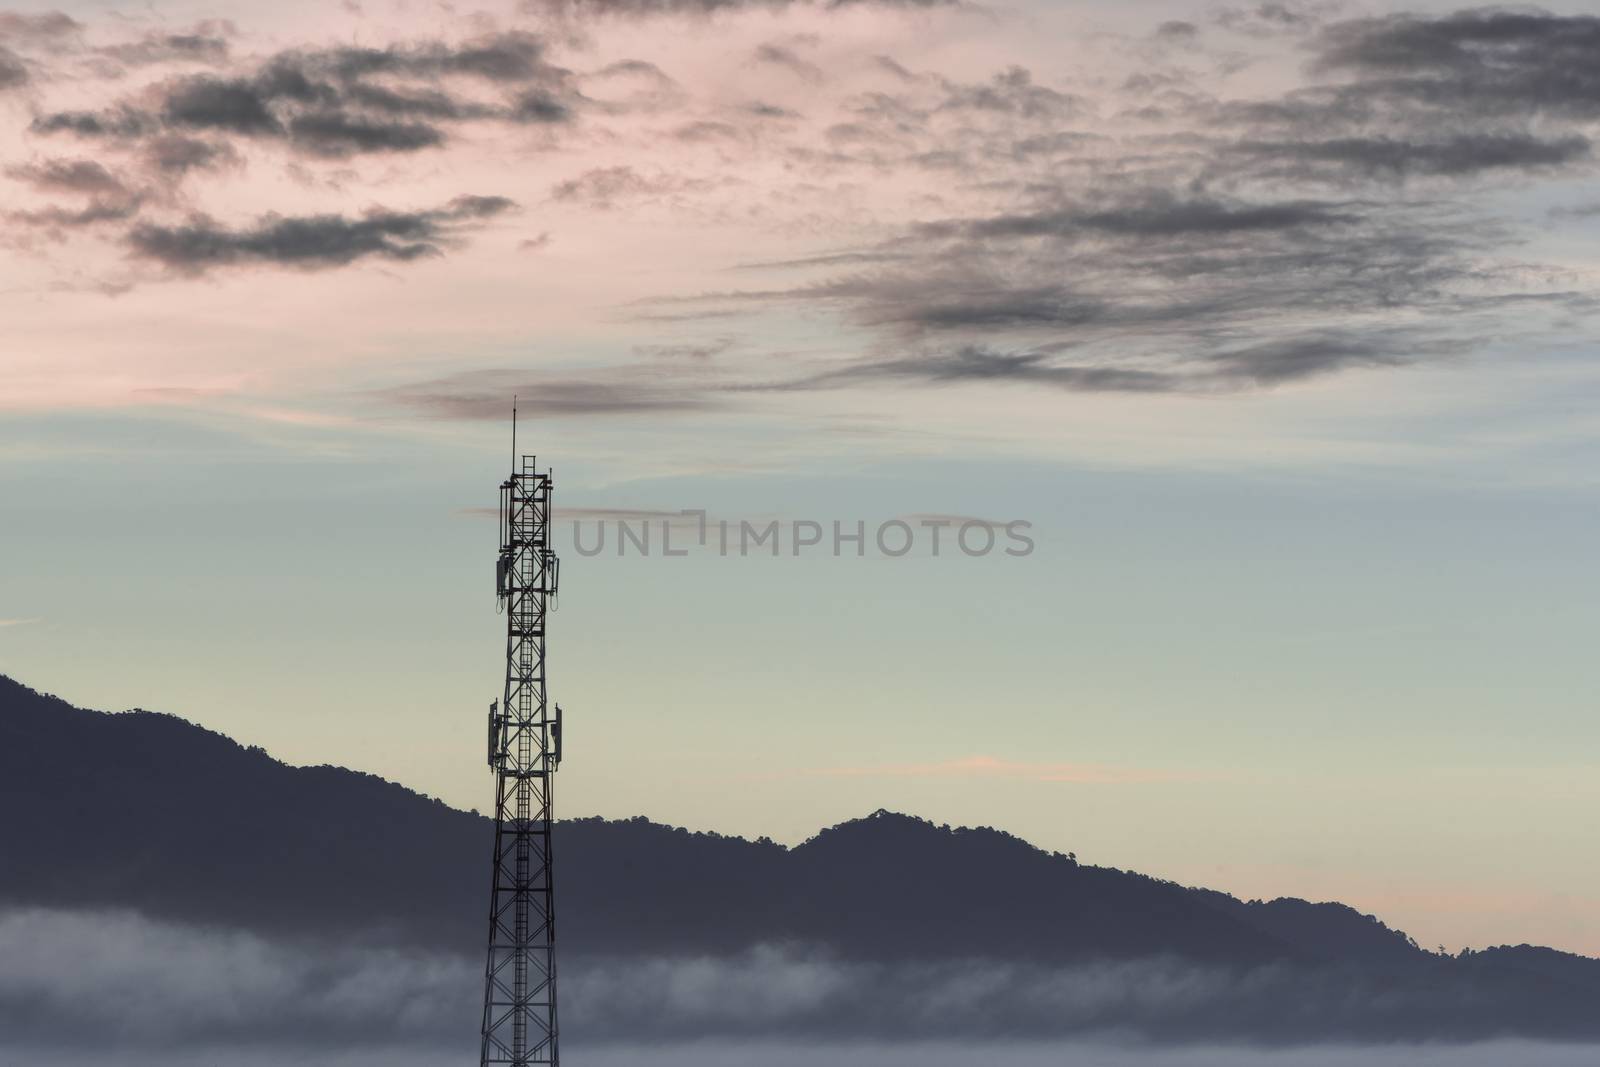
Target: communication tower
519, 1000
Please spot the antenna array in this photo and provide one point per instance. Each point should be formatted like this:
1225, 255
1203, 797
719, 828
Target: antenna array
519, 1002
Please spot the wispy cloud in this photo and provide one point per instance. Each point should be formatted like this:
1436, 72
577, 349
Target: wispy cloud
487, 394
930, 222
312, 242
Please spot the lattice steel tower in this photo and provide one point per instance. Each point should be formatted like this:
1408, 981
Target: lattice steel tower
519, 1000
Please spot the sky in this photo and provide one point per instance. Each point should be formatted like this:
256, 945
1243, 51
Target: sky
1273, 322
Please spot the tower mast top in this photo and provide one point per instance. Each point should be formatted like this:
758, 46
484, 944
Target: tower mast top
519, 1010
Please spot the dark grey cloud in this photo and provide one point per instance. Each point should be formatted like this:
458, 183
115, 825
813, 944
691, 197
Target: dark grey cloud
1177, 30
969, 300
69, 175
699, 350
605, 187
632, 85
981, 130
335, 135
1465, 154
1293, 358
197, 47
1156, 215
764, 110
1466, 41
107, 197
1012, 91
640, 67
602, 186
311, 242
787, 58
1485, 63
890, 65
1273, 17
1492, 91
1219, 258
43, 28
487, 394
121, 121
1192, 368
514, 61
312, 101
707, 131
511, 57
232, 105
99, 209
1149, 260
1576, 211
420, 103
322, 118
13, 71
974, 363
827, 259
653, 8
1054, 143
540, 106
1163, 291
339, 102
176, 155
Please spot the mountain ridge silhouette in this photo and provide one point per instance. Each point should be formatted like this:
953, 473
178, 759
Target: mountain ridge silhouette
145, 811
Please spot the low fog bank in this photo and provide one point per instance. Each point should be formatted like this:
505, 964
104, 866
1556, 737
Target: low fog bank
795, 1054
98, 980
121, 978
775, 991
1077, 1054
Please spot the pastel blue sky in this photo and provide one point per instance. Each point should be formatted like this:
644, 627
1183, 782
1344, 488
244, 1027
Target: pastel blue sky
1273, 320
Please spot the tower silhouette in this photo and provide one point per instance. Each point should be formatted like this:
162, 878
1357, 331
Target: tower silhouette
519, 1000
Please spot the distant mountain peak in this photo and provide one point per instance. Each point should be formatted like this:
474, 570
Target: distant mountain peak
191, 825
